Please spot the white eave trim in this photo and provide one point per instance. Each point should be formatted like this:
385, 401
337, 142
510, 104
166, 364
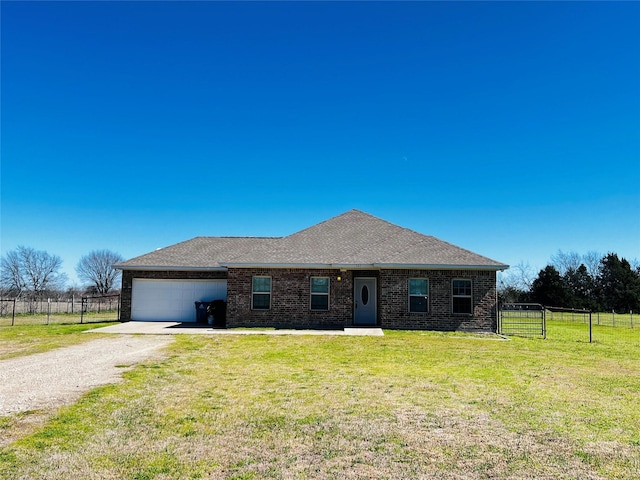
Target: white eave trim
368, 266
440, 266
157, 268
331, 266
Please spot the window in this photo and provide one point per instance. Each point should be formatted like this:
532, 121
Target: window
319, 293
461, 293
261, 293
418, 295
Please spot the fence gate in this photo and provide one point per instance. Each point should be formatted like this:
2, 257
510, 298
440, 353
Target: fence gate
84, 309
525, 319
100, 307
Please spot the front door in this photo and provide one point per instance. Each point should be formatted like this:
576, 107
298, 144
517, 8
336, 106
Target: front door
364, 301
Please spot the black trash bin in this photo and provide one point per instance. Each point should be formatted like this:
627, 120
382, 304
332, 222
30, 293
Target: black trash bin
219, 310
201, 312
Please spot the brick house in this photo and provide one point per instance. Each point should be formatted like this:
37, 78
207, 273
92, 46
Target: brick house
351, 270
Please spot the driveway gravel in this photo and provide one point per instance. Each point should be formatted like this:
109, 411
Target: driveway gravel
59, 377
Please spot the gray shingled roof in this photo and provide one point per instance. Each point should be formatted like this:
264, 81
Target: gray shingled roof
354, 239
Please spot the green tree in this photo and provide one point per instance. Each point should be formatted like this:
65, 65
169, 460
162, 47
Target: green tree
581, 288
550, 289
618, 284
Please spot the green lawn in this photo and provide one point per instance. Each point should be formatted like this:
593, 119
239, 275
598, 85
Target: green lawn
406, 405
28, 319
27, 339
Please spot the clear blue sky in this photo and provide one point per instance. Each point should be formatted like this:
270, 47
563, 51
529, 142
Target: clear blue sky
510, 129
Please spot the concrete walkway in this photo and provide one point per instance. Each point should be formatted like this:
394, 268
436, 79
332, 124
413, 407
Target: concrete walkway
174, 328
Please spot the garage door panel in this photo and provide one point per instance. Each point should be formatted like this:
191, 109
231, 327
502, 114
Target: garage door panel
173, 300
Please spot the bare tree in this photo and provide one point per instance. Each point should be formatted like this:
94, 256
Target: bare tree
592, 260
565, 261
28, 270
519, 277
11, 278
97, 269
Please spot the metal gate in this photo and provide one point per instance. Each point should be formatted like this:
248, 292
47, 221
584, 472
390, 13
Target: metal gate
100, 308
524, 319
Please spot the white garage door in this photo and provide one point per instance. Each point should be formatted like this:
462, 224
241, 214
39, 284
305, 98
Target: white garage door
172, 300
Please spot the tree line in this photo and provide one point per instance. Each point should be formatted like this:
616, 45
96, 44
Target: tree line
27, 272
593, 282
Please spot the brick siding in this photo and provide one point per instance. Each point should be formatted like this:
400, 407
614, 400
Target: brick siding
394, 304
290, 299
291, 294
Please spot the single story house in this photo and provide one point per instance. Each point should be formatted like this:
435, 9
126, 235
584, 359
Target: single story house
351, 270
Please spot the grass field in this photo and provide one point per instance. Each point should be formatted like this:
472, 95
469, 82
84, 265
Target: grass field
610, 319
23, 319
605, 327
26, 340
406, 405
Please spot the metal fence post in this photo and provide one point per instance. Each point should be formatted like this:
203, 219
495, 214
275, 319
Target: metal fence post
590, 329
13, 313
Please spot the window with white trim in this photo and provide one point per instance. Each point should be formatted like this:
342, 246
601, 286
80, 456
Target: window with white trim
261, 293
319, 293
461, 296
418, 295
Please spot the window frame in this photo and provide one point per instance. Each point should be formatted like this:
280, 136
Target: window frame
312, 294
254, 292
409, 295
455, 296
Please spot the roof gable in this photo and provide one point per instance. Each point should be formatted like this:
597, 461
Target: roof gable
353, 239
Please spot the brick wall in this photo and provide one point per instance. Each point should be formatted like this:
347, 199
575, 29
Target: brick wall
129, 275
394, 300
290, 299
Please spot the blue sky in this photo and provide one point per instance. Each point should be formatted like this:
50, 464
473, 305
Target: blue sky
510, 129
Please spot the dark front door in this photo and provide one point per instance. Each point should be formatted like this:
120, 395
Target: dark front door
364, 301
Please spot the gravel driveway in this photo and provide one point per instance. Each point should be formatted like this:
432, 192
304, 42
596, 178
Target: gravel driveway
58, 377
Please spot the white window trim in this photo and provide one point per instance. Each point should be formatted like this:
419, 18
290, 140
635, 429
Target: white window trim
311, 294
470, 296
409, 295
261, 293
